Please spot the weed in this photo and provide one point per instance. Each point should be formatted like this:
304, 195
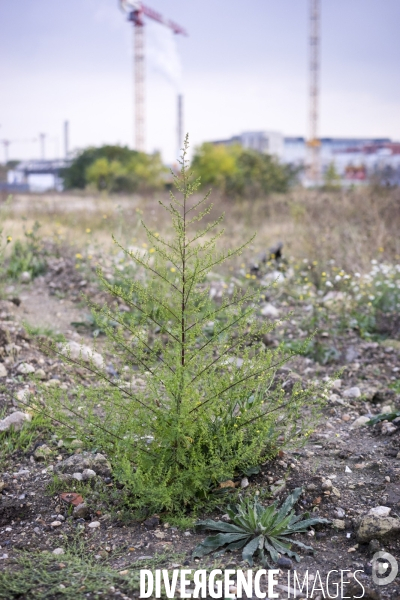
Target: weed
28, 255
205, 406
258, 529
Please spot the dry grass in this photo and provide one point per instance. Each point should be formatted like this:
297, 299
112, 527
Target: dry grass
350, 227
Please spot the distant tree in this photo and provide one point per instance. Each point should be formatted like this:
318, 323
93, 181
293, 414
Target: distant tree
115, 169
241, 172
215, 165
332, 179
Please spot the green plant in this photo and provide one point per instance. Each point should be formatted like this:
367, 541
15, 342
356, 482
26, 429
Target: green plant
258, 529
27, 255
205, 405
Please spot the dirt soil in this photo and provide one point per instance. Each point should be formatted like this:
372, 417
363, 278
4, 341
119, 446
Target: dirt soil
362, 465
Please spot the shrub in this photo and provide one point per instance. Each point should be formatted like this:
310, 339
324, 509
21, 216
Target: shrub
115, 169
206, 405
242, 172
27, 255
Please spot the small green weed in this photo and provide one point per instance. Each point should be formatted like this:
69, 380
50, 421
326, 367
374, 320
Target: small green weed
27, 255
258, 529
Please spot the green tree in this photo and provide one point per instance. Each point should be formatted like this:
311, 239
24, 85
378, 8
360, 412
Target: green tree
214, 165
207, 407
332, 179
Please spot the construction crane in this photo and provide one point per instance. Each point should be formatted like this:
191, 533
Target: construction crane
313, 142
136, 12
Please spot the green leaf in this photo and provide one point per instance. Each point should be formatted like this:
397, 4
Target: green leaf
219, 526
272, 551
303, 525
214, 542
289, 503
250, 549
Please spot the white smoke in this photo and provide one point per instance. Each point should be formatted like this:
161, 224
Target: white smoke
162, 53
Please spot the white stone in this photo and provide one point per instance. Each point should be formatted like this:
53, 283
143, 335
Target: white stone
88, 474
353, 392
15, 420
270, 311
3, 370
386, 409
380, 511
244, 483
348, 470
56, 524
77, 476
94, 524
77, 351
23, 395
25, 277
59, 551
360, 421
25, 369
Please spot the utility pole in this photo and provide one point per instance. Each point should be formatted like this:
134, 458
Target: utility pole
42, 137
66, 138
314, 45
6, 144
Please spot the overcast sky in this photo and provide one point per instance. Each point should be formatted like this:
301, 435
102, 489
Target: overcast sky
243, 67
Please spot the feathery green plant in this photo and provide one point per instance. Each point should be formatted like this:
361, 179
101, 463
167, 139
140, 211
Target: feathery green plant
206, 405
258, 529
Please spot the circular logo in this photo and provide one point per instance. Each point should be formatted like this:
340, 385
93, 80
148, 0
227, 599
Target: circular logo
384, 568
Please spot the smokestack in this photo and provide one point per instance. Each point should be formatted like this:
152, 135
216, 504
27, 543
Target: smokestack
180, 124
66, 138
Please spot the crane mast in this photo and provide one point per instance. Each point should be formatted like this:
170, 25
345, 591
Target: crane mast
136, 13
314, 43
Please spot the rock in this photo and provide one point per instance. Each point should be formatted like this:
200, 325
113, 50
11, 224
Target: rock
56, 524
270, 311
284, 563
77, 476
15, 421
336, 492
386, 409
77, 463
360, 421
375, 527
353, 392
81, 511
76, 444
77, 351
339, 513
58, 551
395, 344
348, 470
25, 369
42, 452
3, 370
327, 485
388, 428
338, 524
152, 522
25, 277
22, 396
40, 374
88, 474
94, 524
374, 546
244, 482
354, 590
380, 511
337, 384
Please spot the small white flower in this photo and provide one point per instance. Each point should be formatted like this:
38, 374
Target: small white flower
371, 297
338, 278
328, 284
357, 275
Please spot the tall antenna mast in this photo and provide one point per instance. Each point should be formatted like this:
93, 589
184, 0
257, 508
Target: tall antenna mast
314, 42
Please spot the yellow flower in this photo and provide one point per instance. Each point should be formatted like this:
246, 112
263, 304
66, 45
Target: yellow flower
152, 250
380, 249
172, 269
156, 234
88, 230
323, 274
144, 245
78, 255
9, 239
105, 217
90, 257
253, 277
248, 275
